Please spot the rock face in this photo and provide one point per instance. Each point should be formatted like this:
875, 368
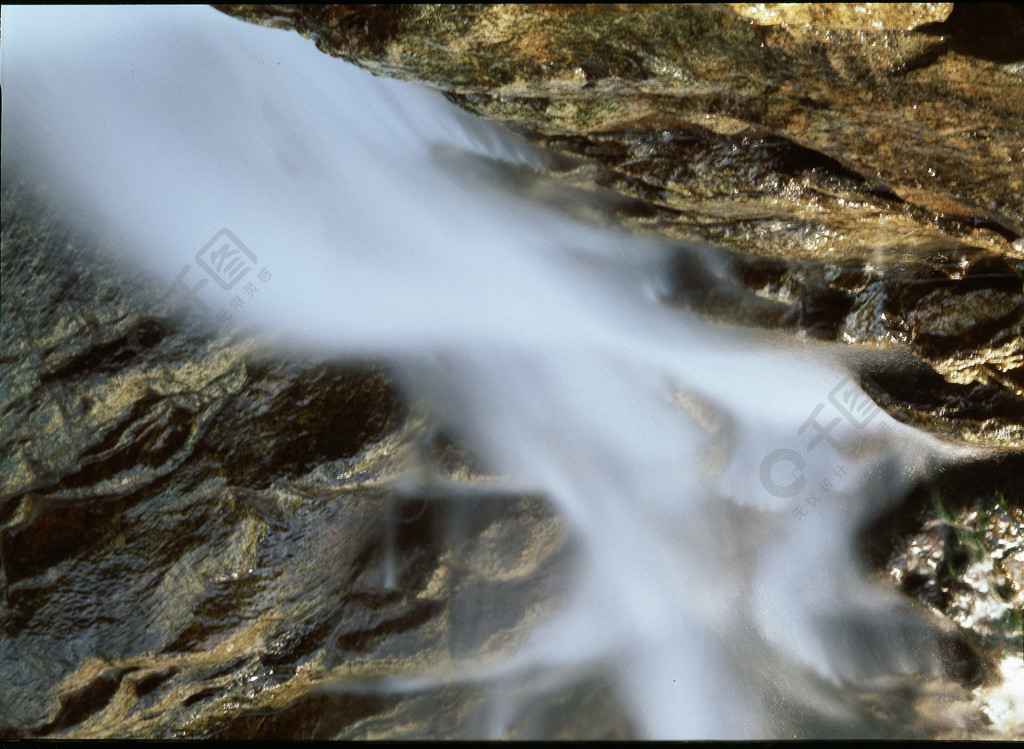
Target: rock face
169, 501
864, 163
192, 532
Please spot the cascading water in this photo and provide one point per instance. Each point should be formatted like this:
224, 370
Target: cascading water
717, 575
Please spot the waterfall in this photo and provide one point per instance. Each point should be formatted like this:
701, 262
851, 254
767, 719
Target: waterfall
366, 217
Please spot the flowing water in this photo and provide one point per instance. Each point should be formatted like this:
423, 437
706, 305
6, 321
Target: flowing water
714, 480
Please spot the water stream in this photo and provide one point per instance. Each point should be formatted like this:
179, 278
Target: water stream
714, 479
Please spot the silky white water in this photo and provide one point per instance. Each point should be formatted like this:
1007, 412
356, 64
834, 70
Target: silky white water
717, 573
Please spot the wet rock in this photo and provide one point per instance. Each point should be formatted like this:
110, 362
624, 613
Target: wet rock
194, 534
297, 418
